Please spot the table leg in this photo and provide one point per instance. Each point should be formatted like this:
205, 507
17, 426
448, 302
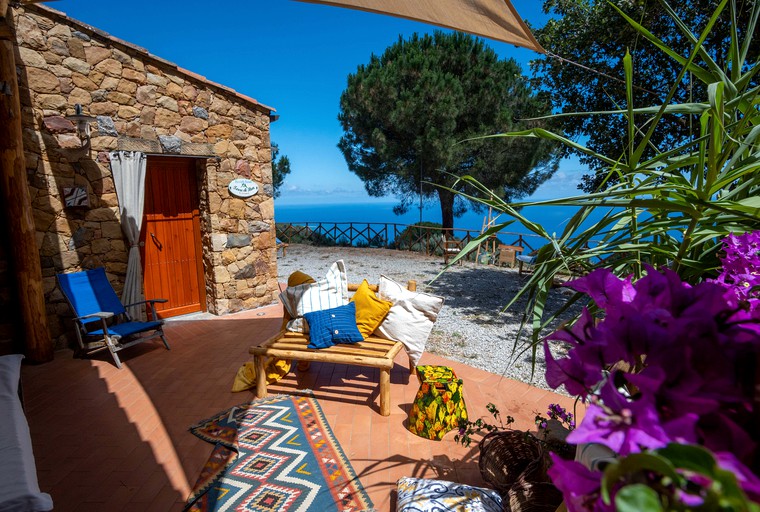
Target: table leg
261, 377
385, 392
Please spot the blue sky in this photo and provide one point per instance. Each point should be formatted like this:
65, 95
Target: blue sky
292, 56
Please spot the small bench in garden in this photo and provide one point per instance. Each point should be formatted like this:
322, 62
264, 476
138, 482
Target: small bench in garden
374, 352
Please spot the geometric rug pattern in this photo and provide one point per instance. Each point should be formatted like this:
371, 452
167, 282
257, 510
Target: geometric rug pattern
275, 454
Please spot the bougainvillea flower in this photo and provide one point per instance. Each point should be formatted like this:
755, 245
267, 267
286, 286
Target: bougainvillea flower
604, 287
579, 333
579, 485
748, 481
628, 333
692, 352
679, 423
578, 377
720, 433
622, 425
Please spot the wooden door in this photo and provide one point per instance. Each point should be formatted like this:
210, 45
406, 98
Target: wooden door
171, 236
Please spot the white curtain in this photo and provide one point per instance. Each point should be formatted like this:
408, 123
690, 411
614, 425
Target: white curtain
128, 169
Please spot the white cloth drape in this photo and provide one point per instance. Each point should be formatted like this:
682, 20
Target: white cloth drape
128, 169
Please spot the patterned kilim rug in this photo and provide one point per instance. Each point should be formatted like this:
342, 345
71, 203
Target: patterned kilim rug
275, 454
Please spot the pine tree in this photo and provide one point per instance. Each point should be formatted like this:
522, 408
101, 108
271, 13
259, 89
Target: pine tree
407, 115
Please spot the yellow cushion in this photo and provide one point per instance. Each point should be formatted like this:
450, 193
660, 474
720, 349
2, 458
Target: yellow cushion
246, 375
370, 310
298, 278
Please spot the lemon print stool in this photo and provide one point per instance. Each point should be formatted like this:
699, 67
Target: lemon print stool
439, 404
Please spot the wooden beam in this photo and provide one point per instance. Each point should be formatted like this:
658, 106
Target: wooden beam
14, 197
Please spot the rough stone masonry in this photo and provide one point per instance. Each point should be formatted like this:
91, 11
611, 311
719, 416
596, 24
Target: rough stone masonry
140, 102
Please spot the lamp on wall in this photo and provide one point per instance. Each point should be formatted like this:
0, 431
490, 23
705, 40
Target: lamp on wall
82, 122
273, 117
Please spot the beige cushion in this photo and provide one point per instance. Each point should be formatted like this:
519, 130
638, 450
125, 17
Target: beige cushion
326, 293
411, 317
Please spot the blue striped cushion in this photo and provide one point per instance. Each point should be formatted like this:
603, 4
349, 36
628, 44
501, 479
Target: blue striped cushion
331, 326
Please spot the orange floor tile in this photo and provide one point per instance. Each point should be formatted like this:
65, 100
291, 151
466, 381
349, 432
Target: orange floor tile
107, 439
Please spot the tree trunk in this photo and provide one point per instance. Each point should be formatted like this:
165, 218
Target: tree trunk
446, 198
14, 197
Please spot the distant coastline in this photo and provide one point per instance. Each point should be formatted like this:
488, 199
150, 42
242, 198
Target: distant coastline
552, 218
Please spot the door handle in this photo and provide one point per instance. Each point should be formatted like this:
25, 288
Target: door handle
155, 241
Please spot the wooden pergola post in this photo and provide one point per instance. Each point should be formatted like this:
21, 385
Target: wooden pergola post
14, 197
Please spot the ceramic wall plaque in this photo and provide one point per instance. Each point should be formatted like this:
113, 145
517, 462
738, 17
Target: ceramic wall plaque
243, 187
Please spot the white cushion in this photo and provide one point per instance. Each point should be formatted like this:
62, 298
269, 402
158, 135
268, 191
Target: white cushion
330, 292
19, 490
411, 317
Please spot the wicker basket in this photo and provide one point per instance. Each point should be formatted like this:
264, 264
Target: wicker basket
533, 490
504, 455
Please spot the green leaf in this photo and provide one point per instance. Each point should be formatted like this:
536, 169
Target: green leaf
634, 463
637, 498
699, 72
691, 457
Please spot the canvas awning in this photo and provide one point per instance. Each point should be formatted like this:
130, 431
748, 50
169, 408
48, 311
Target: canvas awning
494, 19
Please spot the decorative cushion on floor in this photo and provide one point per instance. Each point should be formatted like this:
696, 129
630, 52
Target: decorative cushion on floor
423, 495
411, 317
19, 490
331, 326
330, 292
439, 405
370, 309
274, 368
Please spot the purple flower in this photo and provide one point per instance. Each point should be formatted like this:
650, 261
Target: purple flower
624, 426
604, 287
691, 353
579, 485
720, 433
582, 368
571, 371
748, 481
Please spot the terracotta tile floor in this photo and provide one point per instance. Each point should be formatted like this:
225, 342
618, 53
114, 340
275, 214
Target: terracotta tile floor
108, 439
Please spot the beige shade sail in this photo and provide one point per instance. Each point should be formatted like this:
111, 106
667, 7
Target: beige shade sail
494, 19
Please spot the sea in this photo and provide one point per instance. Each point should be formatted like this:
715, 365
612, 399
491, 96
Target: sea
553, 218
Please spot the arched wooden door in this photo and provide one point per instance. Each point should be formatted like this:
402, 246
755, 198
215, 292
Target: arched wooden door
171, 236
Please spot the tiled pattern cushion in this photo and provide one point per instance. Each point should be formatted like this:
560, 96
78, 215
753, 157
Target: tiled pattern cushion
423, 495
411, 317
330, 326
330, 292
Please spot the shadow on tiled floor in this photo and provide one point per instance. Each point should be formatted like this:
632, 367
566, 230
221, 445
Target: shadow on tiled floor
107, 439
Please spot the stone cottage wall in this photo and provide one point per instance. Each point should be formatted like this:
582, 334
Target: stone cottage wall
141, 103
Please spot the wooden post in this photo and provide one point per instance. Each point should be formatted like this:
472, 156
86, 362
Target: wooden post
14, 197
385, 392
261, 377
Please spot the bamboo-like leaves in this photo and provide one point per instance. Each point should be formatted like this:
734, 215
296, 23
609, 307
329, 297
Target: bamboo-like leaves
672, 208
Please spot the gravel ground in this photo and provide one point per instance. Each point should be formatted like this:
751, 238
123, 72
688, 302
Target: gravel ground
471, 327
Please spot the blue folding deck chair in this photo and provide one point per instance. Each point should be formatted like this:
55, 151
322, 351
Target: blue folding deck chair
101, 317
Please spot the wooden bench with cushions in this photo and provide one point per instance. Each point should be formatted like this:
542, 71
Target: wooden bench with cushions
374, 352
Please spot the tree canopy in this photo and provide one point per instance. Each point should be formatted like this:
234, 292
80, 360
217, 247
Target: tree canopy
592, 33
280, 169
406, 114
